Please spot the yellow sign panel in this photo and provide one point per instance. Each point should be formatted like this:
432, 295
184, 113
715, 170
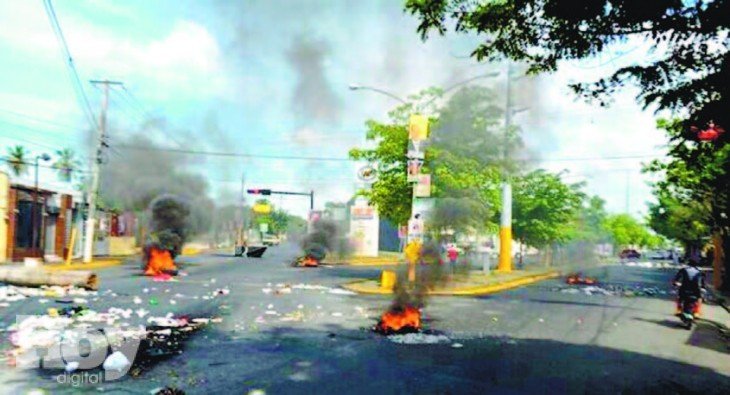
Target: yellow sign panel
260, 208
418, 127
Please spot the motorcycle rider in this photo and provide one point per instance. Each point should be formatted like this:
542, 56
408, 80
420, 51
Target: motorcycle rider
691, 283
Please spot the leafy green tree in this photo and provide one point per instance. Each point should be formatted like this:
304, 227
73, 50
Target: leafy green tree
627, 231
391, 193
66, 164
687, 70
544, 208
696, 176
684, 222
17, 160
461, 158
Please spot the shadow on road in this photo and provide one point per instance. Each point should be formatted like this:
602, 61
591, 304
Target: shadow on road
335, 360
569, 302
674, 324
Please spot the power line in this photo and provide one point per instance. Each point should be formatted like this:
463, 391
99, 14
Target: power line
37, 119
73, 73
234, 154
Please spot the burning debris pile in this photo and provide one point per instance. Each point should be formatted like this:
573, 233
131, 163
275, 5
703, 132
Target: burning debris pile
579, 278
168, 229
399, 320
404, 314
323, 238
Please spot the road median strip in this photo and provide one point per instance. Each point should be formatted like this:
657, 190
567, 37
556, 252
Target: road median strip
372, 287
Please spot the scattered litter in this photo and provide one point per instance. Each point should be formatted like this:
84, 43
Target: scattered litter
419, 338
167, 391
271, 312
266, 290
164, 277
141, 313
337, 314
457, 345
116, 361
270, 306
541, 320
300, 306
311, 287
173, 301
137, 300
340, 291
71, 366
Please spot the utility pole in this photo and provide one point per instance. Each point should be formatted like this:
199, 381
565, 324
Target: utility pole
95, 168
628, 181
505, 223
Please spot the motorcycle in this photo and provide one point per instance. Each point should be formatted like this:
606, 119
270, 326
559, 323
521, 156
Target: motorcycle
688, 309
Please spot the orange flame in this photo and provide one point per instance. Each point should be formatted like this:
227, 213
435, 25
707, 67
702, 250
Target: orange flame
398, 320
310, 262
159, 261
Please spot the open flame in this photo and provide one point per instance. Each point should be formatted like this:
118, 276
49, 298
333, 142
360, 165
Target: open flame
308, 261
406, 319
159, 262
578, 278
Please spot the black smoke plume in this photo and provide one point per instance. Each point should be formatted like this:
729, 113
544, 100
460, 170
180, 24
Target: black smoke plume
169, 224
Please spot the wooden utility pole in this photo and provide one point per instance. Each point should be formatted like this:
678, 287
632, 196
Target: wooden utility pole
95, 168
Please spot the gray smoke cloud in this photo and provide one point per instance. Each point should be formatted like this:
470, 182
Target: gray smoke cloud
138, 170
313, 97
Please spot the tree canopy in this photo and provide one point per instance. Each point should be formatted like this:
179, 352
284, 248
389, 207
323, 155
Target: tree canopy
544, 208
686, 71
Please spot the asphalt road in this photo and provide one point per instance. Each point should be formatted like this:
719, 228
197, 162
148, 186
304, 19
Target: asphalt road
310, 341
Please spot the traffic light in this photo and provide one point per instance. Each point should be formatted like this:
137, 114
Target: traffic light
259, 191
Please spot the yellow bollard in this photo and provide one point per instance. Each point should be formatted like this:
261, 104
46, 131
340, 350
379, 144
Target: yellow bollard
387, 279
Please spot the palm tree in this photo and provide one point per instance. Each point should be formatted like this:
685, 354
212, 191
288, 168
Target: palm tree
17, 160
66, 164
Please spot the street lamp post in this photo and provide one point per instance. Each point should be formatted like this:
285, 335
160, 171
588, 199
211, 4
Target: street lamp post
34, 212
396, 97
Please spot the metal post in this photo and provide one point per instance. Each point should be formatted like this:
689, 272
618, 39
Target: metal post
34, 212
95, 168
311, 200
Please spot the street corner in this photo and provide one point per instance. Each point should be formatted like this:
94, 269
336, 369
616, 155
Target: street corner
96, 264
474, 284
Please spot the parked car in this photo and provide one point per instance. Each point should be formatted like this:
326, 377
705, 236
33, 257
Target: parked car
270, 240
659, 254
629, 254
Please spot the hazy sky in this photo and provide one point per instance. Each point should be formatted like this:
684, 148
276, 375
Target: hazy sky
271, 78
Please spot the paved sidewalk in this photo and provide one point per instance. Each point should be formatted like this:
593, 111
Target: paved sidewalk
474, 283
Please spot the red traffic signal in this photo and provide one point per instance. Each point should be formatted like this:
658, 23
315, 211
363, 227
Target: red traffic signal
259, 191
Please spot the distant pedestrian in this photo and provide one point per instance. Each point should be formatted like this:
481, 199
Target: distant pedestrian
453, 254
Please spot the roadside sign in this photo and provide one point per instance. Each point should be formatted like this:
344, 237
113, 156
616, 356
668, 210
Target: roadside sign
414, 169
418, 127
423, 186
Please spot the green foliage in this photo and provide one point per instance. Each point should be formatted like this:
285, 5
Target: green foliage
544, 208
17, 160
461, 157
66, 164
693, 194
687, 70
626, 231
588, 224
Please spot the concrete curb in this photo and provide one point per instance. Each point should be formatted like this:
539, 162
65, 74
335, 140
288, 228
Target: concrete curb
97, 264
357, 286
